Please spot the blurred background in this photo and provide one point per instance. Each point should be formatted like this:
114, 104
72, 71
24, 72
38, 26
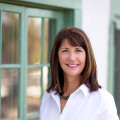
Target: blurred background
27, 32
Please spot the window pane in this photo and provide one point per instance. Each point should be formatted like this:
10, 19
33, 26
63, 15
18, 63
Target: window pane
49, 36
46, 77
33, 90
10, 36
9, 93
34, 40
46, 40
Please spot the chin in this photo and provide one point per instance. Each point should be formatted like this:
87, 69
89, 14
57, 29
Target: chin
73, 74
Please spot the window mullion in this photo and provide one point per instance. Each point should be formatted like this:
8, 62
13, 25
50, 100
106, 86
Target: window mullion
21, 66
42, 56
38, 66
25, 59
23, 70
4, 66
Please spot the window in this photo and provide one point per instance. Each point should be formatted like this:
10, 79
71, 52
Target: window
26, 37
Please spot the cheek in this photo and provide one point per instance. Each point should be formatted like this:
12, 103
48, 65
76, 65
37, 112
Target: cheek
62, 58
82, 56
83, 59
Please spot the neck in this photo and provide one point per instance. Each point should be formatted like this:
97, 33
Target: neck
70, 85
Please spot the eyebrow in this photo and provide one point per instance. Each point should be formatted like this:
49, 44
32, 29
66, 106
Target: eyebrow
64, 48
79, 47
75, 47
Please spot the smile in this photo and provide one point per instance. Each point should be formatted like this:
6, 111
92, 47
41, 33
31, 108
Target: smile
72, 65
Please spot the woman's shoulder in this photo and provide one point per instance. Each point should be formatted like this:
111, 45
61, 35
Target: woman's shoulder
106, 102
44, 100
104, 93
46, 96
104, 97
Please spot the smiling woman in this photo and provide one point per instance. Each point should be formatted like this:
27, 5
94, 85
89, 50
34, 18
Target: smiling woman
74, 93
69, 41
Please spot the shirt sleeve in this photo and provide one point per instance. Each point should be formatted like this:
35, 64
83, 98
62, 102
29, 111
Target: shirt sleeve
110, 113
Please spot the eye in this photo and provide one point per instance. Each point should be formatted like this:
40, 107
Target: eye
64, 50
78, 50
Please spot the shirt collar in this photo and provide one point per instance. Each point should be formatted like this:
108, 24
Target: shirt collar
84, 89
55, 97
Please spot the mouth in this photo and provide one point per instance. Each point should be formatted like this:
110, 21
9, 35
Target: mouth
72, 65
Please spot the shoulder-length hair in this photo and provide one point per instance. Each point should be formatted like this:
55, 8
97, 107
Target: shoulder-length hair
76, 37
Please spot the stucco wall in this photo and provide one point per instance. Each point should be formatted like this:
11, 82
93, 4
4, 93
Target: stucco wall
95, 22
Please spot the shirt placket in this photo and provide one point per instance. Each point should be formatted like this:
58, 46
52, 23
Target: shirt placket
67, 106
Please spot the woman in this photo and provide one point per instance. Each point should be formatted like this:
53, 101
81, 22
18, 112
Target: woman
74, 93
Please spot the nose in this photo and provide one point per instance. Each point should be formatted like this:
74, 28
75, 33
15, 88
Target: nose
71, 56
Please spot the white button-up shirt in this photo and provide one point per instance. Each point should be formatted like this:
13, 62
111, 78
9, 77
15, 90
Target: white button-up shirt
81, 105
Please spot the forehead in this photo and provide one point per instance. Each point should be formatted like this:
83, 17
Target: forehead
66, 42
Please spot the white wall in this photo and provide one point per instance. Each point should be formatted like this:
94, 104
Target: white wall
95, 22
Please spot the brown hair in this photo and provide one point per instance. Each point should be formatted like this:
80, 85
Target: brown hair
76, 37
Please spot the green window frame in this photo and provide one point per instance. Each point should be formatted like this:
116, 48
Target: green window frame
24, 13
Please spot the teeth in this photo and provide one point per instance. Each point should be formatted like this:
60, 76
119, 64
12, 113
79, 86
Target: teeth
73, 65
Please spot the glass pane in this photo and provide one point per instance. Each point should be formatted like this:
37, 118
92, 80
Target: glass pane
46, 77
33, 90
10, 37
50, 32
46, 40
34, 40
9, 93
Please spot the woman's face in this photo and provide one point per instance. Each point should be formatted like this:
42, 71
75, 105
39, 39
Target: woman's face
72, 59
